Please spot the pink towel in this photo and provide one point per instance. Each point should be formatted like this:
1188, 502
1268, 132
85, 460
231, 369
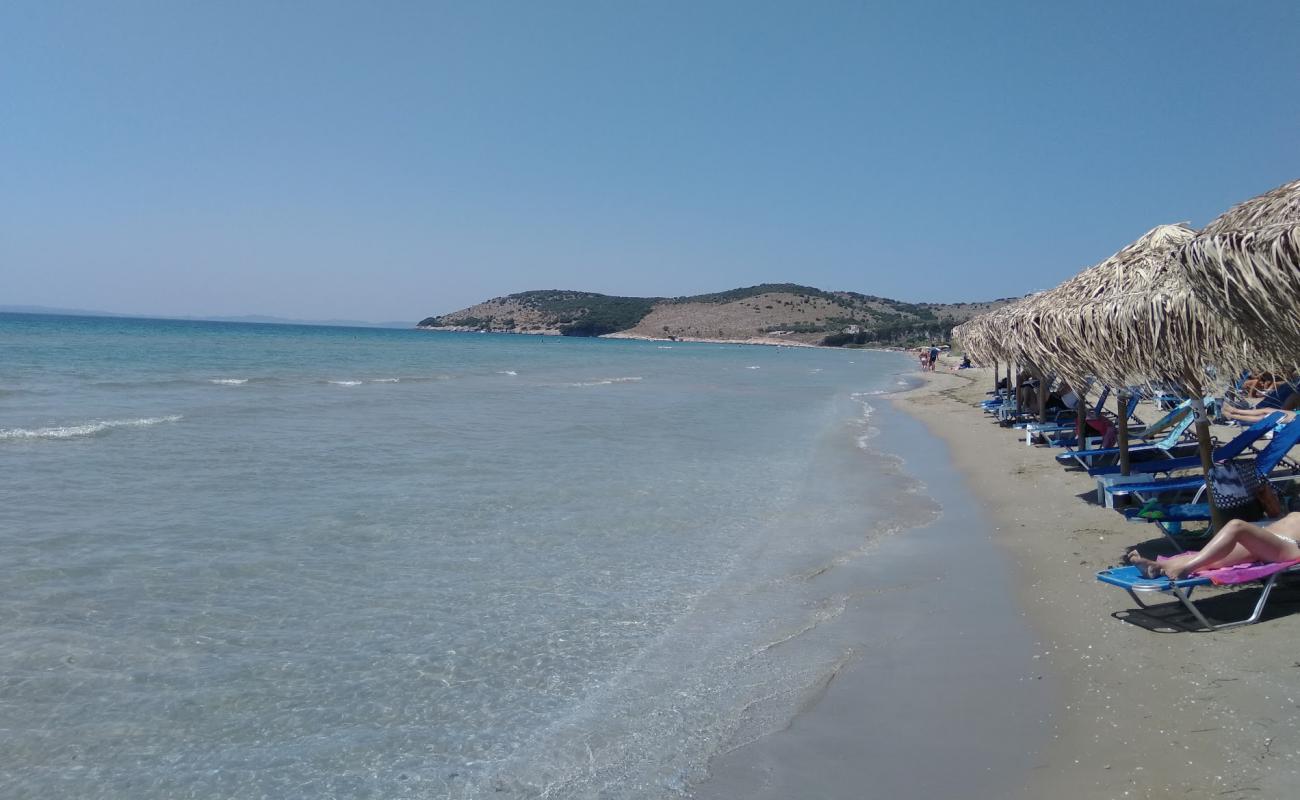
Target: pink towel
1240, 573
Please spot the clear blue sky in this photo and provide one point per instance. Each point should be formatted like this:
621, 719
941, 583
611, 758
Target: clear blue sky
386, 160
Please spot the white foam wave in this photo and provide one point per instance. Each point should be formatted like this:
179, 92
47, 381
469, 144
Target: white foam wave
345, 383
869, 431
229, 381
607, 381
665, 347
507, 372
85, 429
753, 367
386, 380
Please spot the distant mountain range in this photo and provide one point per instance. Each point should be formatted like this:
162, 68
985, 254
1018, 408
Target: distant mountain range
770, 313
255, 318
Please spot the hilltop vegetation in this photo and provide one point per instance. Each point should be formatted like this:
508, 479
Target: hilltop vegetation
770, 311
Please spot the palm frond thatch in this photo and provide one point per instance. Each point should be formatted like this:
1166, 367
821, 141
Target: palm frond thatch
1130, 319
986, 339
1246, 266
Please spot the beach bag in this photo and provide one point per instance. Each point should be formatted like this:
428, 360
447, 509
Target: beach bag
1233, 484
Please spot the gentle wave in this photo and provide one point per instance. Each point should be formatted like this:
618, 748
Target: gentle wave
753, 367
345, 383
229, 381
606, 381
869, 431
507, 372
386, 380
86, 429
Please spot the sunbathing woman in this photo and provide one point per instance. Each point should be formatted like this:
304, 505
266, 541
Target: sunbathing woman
1238, 542
1253, 415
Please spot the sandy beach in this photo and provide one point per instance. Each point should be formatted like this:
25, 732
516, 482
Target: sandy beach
999, 609
1140, 713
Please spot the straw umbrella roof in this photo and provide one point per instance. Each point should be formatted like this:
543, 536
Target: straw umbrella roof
1246, 265
985, 337
1130, 319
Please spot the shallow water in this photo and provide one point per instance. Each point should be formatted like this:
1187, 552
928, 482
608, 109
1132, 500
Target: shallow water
290, 561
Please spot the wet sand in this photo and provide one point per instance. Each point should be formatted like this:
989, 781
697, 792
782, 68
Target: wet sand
994, 665
944, 696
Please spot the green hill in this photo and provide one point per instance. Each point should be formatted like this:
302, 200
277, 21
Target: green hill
770, 312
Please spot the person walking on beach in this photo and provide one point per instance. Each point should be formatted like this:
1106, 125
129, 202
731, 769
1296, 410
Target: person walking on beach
934, 357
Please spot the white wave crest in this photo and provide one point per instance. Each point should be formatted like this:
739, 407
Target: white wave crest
753, 367
607, 381
386, 380
345, 383
665, 347
85, 429
229, 381
507, 372
869, 431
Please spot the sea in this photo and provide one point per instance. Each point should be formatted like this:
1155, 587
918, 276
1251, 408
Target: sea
246, 560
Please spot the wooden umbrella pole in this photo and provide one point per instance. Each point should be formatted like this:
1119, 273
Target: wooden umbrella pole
1217, 517
1123, 432
1081, 421
1042, 397
996, 367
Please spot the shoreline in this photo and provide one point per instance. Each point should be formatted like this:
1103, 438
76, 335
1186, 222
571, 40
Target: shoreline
1141, 714
943, 696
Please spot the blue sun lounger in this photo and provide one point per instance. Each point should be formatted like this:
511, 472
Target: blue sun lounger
1175, 423
1131, 579
1284, 439
1223, 452
1046, 430
1170, 517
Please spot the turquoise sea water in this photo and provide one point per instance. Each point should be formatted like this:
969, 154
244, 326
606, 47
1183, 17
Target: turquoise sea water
282, 561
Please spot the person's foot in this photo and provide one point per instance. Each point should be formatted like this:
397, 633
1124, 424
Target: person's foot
1149, 568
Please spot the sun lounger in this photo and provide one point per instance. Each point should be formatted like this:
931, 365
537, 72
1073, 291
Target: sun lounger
1174, 425
1131, 579
1067, 422
1223, 452
1277, 396
1284, 439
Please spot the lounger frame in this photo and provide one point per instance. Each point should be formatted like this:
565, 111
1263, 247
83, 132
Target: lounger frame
1182, 589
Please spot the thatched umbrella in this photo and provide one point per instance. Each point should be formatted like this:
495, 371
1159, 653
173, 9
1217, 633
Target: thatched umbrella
1134, 319
970, 337
1246, 266
987, 339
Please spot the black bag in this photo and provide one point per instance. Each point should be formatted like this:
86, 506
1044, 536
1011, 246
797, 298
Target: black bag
1234, 484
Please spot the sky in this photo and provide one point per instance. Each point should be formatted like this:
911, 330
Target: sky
392, 160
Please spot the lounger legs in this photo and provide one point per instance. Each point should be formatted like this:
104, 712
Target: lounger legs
1185, 597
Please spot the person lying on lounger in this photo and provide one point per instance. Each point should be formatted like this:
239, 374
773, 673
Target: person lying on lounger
1238, 542
1252, 415
1258, 385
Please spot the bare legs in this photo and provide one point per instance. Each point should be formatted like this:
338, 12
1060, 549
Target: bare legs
1253, 415
1238, 542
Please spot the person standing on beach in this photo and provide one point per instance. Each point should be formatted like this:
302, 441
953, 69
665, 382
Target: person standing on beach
934, 357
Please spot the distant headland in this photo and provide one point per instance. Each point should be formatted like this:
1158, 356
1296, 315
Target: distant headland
770, 313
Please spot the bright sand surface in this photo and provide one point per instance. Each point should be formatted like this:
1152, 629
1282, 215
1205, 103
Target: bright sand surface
994, 664
1141, 714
